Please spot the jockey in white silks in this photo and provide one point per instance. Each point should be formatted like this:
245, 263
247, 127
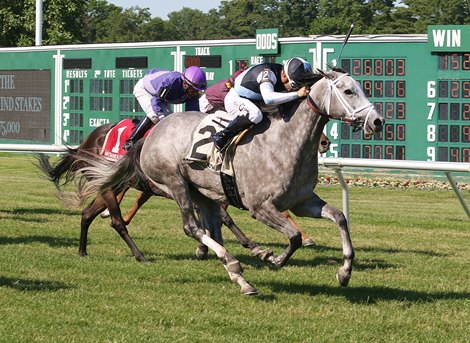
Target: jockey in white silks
272, 83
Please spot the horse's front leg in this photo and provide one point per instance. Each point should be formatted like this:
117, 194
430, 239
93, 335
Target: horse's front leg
88, 215
119, 197
315, 207
268, 214
141, 199
118, 224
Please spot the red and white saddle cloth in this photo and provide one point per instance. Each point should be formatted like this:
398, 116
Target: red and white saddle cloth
115, 138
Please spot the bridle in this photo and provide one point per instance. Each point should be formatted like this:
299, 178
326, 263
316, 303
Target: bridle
350, 117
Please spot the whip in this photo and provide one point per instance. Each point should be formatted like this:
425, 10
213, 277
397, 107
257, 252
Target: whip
344, 43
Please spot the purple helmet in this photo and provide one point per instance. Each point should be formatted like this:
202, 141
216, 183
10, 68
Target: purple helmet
196, 77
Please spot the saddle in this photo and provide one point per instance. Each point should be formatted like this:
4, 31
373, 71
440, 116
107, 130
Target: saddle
202, 147
203, 150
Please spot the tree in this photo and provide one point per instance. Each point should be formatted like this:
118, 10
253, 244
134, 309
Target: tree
11, 24
296, 17
107, 23
158, 29
189, 24
422, 13
62, 22
97, 21
336, 16
243, 17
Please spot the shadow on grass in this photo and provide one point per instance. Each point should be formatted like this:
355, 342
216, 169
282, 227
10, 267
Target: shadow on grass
369, 295
365, 295
256, 263
27, 214
51, 241
32, 285
278, 247
358, 265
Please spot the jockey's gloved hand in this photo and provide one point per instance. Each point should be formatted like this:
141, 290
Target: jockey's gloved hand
127, 145
303, 92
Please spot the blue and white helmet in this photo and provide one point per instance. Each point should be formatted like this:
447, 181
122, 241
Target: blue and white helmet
298, 71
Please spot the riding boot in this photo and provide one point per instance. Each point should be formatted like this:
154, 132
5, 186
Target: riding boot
223, 138
139, 131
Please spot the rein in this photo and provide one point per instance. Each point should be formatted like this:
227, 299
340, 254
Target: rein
351, 117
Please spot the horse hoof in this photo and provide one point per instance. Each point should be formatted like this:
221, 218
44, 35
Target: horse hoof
343, 277
278, 261
141, 258
249, 290
201, 254
263, 255
308, 242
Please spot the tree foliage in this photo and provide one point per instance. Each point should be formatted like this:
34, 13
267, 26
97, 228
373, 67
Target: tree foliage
62, 22
97, 21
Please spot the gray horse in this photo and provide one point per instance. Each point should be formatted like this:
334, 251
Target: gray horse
276, 169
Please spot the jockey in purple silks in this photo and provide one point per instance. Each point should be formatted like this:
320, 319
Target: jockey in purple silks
272, 83
160, 88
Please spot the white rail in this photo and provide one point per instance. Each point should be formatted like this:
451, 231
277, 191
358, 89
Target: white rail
32, 148
446, 167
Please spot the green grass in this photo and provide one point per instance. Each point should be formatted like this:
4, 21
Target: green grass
409, 284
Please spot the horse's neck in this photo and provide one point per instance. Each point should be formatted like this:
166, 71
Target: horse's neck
299, 135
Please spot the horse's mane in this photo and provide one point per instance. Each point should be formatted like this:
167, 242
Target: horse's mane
329, 75
279, 111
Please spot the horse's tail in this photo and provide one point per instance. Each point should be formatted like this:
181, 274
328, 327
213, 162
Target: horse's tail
100, 174
64, 169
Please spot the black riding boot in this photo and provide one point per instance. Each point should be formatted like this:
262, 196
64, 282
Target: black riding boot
139, 131
222, 139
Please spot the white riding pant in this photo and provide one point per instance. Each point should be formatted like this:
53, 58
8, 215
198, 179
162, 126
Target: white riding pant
236, 106
145, 100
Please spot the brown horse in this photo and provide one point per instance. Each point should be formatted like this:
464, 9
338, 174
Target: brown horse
65, 169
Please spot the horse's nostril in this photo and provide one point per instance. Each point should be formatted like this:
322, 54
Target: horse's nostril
378, 123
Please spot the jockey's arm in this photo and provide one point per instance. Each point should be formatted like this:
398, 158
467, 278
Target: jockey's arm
192, 104
270, 97
158, 107
267, 79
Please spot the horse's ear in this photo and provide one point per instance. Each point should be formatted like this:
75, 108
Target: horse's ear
322, 73
325, 74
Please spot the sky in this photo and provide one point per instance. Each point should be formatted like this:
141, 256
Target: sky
161, 8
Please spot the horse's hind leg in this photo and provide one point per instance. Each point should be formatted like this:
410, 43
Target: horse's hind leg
317, 208
193, 229
269, 215
255, 250
306, 240
118, 224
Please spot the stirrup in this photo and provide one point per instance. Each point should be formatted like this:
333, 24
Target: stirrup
218, 140
223, 148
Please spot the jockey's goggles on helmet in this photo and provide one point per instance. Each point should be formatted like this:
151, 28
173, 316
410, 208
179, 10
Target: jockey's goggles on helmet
296, 69
196, 78
197, 86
